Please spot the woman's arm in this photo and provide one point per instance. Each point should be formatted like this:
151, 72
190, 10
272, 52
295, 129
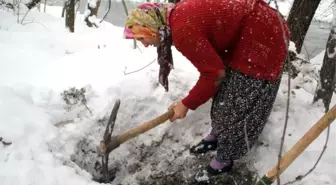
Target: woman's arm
203, 56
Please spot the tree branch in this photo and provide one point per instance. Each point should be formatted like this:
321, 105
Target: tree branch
125, 73
27, 14
87, 108
126, 12
4, 142
36, 23
288, 93
108, 10
300, 177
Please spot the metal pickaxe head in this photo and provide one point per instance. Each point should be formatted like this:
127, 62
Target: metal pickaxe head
109, 143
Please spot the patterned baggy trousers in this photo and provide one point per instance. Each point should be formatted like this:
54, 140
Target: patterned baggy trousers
241, 106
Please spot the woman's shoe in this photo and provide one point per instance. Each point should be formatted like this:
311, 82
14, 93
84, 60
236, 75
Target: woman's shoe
215, 167
203, 147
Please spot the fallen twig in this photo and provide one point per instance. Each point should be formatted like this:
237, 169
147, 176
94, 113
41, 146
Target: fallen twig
87, 108
4, 142
35, 23
125, 73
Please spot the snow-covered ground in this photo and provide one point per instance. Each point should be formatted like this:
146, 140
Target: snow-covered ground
40, 59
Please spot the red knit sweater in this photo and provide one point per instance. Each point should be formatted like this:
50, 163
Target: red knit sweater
242, 34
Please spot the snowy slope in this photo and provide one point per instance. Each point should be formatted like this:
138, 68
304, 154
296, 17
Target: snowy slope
39, 60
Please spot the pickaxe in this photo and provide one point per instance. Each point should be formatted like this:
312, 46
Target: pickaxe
110, 142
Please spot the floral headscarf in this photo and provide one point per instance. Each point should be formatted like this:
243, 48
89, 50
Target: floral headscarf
152, 20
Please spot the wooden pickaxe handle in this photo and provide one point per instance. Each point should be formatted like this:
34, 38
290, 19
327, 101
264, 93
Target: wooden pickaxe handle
313, 133
145, 127
115, 141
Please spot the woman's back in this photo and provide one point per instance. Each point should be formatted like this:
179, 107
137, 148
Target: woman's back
217, 20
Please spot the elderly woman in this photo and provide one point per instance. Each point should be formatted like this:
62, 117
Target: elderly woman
238, 47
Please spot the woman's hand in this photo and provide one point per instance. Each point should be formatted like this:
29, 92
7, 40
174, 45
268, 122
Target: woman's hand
180, 111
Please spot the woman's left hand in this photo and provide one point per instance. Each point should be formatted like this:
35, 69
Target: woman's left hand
180, 111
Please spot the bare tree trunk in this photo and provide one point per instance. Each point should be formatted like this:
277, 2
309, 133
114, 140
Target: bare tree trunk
92, 7
45, 5
39, 7
64, 7
70, 15
327, 81
14, 9
32, 4
18, 10
299, 19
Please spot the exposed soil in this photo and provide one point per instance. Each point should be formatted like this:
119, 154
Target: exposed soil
180, 169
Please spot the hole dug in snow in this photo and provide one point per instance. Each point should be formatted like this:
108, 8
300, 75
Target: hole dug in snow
163, 161
87, 158
156, 164
86, 155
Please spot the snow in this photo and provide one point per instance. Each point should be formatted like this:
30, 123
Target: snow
40, 59
93, 3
